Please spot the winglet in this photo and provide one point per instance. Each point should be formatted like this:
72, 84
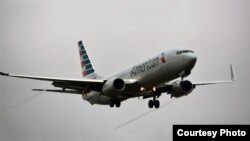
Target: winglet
4, 74
233, 78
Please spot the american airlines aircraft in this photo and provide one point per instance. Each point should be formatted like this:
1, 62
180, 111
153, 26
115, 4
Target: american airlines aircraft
149, 79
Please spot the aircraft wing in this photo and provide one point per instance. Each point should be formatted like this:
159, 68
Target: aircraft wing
76, 86
233, 78
168, 86
210, 83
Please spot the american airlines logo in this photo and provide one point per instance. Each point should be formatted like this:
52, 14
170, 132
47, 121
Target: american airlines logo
163, 60
144, 66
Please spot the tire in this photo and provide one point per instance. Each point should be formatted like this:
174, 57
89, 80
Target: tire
118, 104
112, 104
157, 104
150, 103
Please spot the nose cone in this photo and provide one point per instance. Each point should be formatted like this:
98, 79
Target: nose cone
191, 60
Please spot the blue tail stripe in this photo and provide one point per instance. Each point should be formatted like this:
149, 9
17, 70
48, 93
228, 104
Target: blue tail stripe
82, 48
90, 71
88, 66
85, 57
84, 52
87, 61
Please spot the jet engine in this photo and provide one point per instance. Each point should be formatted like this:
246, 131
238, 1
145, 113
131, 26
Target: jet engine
113, 86
181, 88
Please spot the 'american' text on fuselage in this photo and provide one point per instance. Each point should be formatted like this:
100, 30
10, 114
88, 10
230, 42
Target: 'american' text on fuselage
145, 66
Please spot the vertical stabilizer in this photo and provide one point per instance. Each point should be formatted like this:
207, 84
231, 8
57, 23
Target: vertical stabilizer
87, 68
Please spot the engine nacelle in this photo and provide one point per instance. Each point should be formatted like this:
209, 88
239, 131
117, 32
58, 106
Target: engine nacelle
181, 88
113, 86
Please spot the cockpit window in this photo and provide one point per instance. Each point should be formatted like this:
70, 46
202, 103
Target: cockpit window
184, 51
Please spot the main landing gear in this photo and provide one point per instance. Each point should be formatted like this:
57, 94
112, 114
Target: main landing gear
115, 103
154, 103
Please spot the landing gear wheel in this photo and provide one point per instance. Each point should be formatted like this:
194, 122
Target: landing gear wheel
118, 104
157, 104
112, 104
154, 103
150, 103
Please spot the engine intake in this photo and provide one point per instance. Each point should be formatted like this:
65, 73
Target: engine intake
182, 88
113, 86
119, 84
186, 86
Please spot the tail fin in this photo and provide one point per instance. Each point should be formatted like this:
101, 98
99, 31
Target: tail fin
86, 65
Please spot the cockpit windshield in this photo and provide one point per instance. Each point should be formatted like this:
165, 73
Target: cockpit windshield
184, 51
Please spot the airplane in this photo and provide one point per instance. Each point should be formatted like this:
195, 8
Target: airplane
163, 73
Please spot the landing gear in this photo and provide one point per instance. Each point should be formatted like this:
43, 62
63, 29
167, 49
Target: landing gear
150, 104
184, 74
112, 104
157, 104
154, 102
115, 103
118, 104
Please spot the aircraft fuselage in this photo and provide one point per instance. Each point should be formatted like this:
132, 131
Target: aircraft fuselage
157, 70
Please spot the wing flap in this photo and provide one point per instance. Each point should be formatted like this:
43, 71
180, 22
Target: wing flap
58, 91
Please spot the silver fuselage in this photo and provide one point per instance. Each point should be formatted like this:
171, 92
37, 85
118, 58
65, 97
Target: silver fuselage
151, 73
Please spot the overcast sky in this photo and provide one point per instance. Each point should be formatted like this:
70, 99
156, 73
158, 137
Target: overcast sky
40, 38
